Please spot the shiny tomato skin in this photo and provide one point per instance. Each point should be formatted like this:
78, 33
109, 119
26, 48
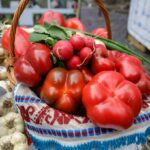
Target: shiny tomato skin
111, 101
100, 61
30, 68
51, 16
39, 57
75, 23
21, 44
87, 74
101, 32
25, 73
62, 89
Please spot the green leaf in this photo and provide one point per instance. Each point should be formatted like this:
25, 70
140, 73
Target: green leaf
110, 44
50, 41
40, 29
70, 33
37, 37
56, 31
47, 26
61, 64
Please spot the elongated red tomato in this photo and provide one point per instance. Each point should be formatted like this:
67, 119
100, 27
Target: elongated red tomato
22, 43
75, 23
101, 32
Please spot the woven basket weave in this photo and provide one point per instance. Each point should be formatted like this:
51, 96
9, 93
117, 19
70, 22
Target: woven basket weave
52, 129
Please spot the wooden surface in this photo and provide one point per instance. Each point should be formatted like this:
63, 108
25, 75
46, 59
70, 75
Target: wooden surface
136, 43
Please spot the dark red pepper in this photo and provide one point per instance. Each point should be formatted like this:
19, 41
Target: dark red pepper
35, 63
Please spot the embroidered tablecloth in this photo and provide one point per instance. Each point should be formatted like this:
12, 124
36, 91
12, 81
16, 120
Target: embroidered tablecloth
50, 128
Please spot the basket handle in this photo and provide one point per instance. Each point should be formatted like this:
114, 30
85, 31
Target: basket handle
14, 24
106, 17
11, 56
17, 14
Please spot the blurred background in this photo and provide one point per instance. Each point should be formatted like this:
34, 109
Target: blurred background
129, 18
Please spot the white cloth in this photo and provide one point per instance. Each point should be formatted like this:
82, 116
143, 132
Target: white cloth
49, 128
139, 21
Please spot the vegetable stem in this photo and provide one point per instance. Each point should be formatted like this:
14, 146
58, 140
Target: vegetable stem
114, 45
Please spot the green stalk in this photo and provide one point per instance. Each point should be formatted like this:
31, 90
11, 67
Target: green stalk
58, 32
110, 44
117, 46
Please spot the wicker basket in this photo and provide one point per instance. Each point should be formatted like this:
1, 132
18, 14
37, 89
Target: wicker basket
52, 129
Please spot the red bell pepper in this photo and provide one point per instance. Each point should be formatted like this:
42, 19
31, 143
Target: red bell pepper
63, 89
35, 63
100, 60
75, 23
22, 43
111, 101
51, 16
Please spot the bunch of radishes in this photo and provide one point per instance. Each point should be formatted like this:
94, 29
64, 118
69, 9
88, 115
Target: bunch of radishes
76, 52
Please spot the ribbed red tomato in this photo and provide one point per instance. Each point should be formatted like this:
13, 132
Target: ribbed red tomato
35, 63
62, 89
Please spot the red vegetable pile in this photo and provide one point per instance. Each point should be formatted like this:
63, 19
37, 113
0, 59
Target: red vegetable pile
76, 71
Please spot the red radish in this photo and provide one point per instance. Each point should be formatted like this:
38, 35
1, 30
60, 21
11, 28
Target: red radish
85, 54
63, 50
89, 42
77, 42
74, 62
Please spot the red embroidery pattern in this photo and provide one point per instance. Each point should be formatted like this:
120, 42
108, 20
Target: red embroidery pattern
40, 115
146, 101
44, 114
26, 112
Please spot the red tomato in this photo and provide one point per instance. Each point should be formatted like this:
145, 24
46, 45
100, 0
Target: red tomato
101, 32
63, 89
22, 43
35, 63
87, 74
75, 23
51, 16
100, 61
131, 68
111, 101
